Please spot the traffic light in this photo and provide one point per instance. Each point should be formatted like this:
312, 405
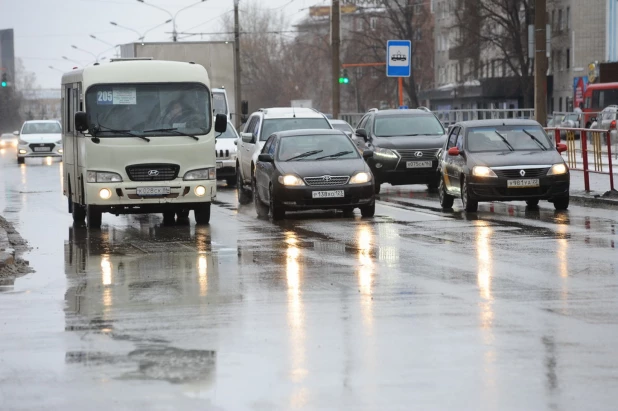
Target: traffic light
343, 77
5, 81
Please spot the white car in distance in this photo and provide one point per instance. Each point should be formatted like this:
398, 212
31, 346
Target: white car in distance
39, 138
225, 151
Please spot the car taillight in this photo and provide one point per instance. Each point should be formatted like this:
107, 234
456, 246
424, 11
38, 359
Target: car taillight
613, 124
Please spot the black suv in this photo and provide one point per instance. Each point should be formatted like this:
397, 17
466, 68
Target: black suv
405, 144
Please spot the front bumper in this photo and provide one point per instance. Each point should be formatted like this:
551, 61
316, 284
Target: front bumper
29, 150
124, 197
495, 189
396, 172
225, 169
301, 198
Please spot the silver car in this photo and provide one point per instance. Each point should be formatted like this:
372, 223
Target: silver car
607, 121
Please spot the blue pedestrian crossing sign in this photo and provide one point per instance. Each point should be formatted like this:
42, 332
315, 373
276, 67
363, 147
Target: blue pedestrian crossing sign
398, 53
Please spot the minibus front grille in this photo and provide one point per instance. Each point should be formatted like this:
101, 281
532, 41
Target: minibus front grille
153, 172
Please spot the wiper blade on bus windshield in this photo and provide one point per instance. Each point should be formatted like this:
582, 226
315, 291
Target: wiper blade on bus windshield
173, 130
97, 128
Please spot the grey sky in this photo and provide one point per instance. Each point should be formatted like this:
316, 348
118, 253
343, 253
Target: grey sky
46, 29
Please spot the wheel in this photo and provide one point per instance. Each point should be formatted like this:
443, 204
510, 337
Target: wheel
561, 203
231, 181
244, 196
276, 211
21, 160
446, 200
202, 214
79, 213
168, 217
93, 216
348, 212
260, 207
368, 211
469, 204
378, 187
532, 203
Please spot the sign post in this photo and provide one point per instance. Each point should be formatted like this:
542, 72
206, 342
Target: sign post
398, 62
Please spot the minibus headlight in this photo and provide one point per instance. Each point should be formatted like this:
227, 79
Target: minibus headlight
103, 177
201, 174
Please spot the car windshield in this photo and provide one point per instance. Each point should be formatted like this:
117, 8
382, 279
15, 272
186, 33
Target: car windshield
41, 128
572, 117
343, 127
138, 108
408, 125
229, 132
219, 103
323, 146
507, 138
284, 124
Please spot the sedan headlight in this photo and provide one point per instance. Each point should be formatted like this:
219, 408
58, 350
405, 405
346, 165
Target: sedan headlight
558, 169
103, 177
482, 171
22, 142
201, 174
384, 152
59, 142
291, 180
360, 178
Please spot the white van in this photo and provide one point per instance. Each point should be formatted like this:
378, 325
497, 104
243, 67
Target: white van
220, 103
139, 137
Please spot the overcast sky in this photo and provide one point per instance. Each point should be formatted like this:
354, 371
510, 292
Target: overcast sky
46, 29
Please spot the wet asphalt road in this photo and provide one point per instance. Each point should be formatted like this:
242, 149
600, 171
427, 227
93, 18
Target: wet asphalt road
510, 309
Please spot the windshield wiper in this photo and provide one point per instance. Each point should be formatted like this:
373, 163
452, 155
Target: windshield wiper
96, 128
174, 130
339, 154
303, 155
536, 140
505, 141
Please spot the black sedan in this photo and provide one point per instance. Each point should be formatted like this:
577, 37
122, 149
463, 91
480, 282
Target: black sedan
502, 160
312, 169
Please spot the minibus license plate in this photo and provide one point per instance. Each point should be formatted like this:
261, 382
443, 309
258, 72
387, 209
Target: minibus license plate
153, 191
523, 183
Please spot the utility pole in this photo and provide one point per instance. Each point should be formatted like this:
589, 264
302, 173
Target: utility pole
335, 43
540, 61
237, 82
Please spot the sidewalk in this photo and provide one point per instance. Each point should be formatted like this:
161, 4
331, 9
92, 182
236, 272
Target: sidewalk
599, 194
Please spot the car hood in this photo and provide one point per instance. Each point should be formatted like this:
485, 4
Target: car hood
41, 138
515, 158
414, 142
226, 144
323, 167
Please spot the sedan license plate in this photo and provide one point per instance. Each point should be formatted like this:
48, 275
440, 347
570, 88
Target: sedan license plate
418, 164
153, 191
328, 194
523, 183
42, 149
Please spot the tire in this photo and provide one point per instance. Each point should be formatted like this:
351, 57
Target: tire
79, 213
348, 212
470, 205
21, 160
182, 215
244, 196
231, 181
202, 214
260, 207
532, 203
169, 217
93, 217
368, 211
561, 203
378, 187
446, 200
276, 211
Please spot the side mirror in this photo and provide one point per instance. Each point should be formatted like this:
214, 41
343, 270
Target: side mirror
367, 154
220, 123
81, 121
247, 138
235, 142
266, 158
244, 107
15, 133
361, 132
453, 151
561, 147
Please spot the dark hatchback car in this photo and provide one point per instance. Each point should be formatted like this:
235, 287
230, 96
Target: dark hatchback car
405, 144
502, 160
312, 169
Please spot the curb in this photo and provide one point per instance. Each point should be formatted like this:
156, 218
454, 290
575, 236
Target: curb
7, 254
593, 201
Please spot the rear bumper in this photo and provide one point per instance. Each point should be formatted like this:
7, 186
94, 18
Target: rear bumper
496, 189
301, 198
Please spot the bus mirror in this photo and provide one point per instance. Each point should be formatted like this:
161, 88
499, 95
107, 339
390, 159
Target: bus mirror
81, 121
220, 123
244, 107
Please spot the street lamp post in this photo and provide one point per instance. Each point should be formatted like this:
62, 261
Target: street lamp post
173, 16
104, 42
86, 51
72, 61
141, 36
54, 68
